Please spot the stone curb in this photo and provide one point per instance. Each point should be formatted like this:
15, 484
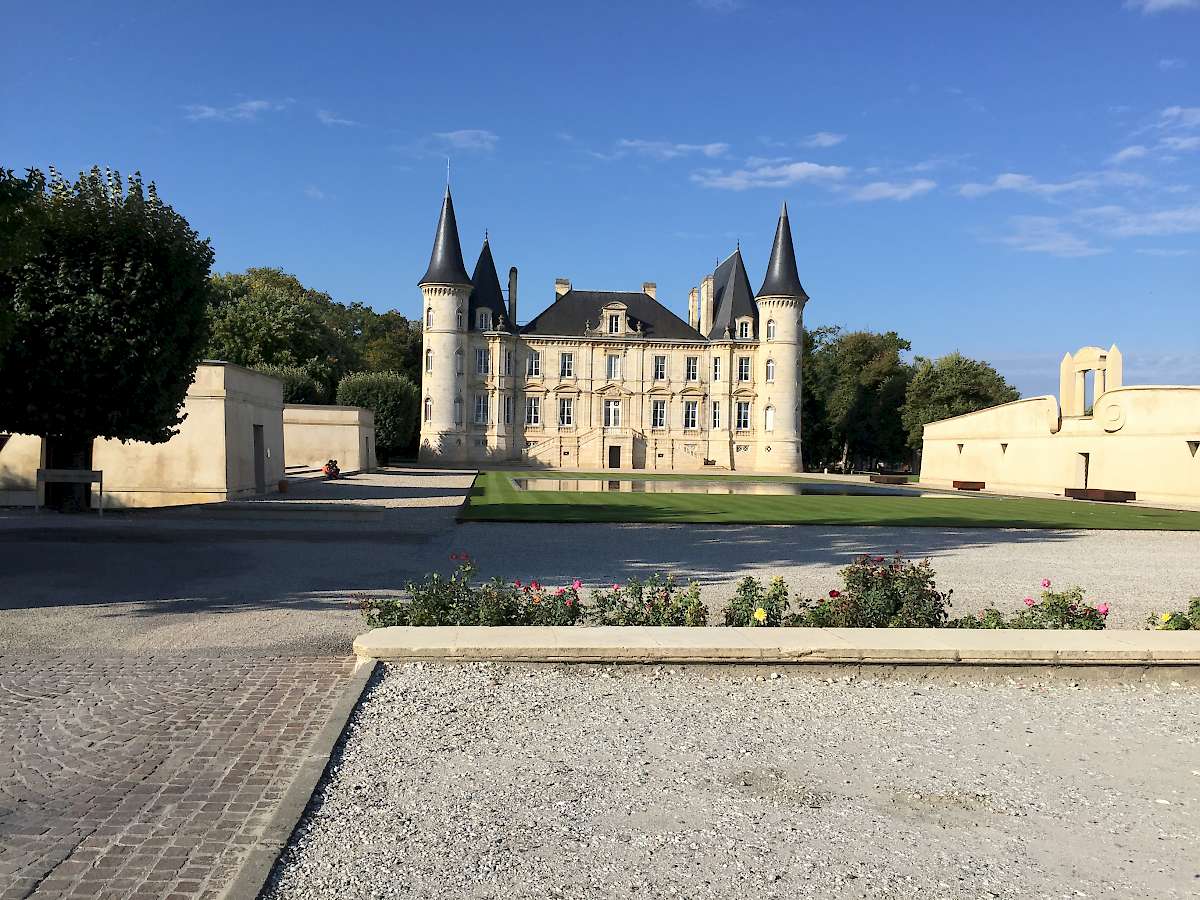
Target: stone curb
260, 857
922, 646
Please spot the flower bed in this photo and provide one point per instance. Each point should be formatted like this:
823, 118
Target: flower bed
876, 592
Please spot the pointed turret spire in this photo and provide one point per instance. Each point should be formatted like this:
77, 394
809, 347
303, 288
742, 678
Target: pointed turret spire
446, 261
782, 279
486, 293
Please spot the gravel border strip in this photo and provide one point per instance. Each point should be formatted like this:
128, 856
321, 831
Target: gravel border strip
260, 857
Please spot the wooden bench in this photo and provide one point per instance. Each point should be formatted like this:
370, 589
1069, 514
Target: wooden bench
70, 476
1103, 495
889, 479
969, 485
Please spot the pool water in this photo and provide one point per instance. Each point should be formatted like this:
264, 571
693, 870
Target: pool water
721, 486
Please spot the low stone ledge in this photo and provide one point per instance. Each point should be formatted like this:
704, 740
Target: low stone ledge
928, 646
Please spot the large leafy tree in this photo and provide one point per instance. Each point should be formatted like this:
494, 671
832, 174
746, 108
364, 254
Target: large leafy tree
859, 381
107, 307
20, 222
951, 386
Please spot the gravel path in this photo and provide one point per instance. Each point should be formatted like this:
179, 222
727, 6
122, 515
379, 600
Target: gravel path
522, 782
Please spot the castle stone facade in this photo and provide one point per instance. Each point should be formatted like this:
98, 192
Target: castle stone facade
612, 379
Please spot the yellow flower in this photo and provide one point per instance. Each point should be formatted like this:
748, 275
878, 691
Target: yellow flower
760, 615
1165, 617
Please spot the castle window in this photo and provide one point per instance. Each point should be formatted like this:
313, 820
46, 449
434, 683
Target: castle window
716, 414
481, 409
508, 362
692, 368
483, 362
612, 367
458, 361
743, 330
428, 360
691, 409
769, 419
483, 319
743, 368
658, 413
429, 317
508, 409
566, 411
743, 415
428, 409
770, 329
533, 410
614, 323
660, 368
566, 365
612, 413
458, 410
770, 370
716, 368
458, 320
533, 365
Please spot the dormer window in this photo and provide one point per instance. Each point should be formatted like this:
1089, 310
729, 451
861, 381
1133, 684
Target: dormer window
483, 319
743, 330
614, 323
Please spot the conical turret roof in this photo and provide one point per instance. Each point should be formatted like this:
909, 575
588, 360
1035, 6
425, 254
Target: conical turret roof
446, 261
733, 297
782, 279
486, 293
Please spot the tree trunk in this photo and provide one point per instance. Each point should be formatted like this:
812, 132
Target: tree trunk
845, 456
68, 452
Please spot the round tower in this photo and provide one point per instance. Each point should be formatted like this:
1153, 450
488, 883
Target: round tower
780, 302
446, 288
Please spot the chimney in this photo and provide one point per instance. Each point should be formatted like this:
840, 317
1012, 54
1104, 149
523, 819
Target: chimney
650, 288
512, 298
706, 305
561, 286
694, 309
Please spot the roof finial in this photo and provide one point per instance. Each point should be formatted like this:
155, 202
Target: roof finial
485, 236
447, 174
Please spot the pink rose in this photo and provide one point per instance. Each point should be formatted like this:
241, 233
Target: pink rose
570, 602
1029, 601
1102, 609
1045, 582
577, 584
517, 583
559, 592
833, 595
535, 585
616, 587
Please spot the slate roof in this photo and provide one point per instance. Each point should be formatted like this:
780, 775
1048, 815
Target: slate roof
485, 292
446, 262
782, 279
575, 310
733, 297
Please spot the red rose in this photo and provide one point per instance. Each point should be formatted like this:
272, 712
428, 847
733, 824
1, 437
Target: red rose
833, 595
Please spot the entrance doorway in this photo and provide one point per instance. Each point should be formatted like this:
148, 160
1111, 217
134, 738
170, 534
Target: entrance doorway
614, 457
260, 461
1081, 473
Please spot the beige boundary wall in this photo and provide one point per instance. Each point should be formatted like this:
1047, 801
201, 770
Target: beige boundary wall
230, 445
1140, 438
315, 434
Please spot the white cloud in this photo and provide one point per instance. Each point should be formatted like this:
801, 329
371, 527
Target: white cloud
1170, 64
247, 110
1180, 116
468, 139
1181, 144
1150, 7
887, 190
1137, 151
1161, 251
325, 117
314, 193
823, 139
719, 6
1120, 222
1043, 234
768, 173
667, 150
1027, 184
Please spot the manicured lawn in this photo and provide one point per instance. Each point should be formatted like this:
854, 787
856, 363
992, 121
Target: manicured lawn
494, 499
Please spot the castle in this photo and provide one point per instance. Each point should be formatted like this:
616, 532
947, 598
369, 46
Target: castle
612, 379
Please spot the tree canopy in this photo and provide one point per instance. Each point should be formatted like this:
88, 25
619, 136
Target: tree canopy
106, 305
393, 398
951, 386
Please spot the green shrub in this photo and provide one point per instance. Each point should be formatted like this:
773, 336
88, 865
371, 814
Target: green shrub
1178, 621
1056, 609
754, 606
299, 385
879, 593
655, 601
394, 400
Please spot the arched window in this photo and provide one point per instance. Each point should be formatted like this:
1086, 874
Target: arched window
458, 361
429, 317
770, 370
769, 419
458, 320
428, 409
770, 329
428, 360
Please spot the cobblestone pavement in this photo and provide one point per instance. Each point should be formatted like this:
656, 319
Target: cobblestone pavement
148, 777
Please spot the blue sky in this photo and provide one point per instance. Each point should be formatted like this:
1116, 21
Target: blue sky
1012, 180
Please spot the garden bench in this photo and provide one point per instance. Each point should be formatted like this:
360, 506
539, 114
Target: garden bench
70, 476
1104, 495
969, 485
